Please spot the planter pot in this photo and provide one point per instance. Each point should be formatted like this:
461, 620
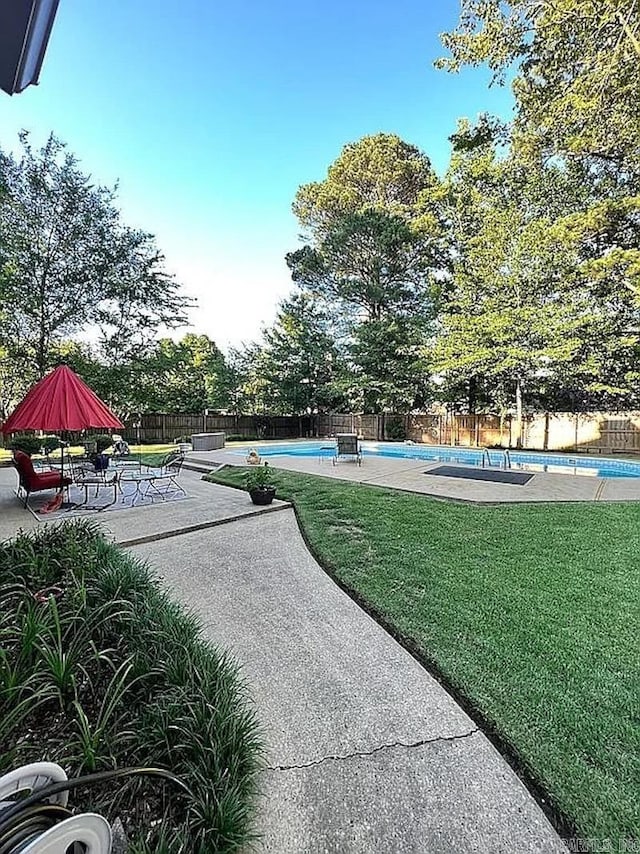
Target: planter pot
265, 495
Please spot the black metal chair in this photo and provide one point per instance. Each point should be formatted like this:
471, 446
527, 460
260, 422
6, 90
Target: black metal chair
347, 445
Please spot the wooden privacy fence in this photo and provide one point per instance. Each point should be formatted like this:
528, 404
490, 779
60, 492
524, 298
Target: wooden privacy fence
157, 427
425, 428
586, 431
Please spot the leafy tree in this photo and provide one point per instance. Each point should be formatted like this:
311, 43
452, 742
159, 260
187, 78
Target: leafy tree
69, 263
144, 298
169, 376
300, 359
389, 372
577, 68
373, 247
189, 373
514, 312
14, 383
247, 386
379, 172
576, 73
372, 264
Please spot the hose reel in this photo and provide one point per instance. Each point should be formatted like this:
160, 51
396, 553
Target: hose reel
35, 817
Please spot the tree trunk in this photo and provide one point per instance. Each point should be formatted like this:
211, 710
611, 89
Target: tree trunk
472, 394
519, 412
545, 444
41, 349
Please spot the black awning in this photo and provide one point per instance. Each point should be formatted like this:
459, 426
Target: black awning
25, 26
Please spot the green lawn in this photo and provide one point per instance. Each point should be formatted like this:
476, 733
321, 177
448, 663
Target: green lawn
531, 613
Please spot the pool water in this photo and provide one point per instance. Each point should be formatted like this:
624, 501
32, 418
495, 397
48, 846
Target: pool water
520, 460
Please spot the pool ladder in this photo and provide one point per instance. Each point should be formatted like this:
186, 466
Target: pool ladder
505, 461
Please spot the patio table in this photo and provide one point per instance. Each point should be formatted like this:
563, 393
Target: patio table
142, 481
99, 482
118, 463
146, 484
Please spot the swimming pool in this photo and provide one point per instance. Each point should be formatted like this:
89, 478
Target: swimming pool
523, 460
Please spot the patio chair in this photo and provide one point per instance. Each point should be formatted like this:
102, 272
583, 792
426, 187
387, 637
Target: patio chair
120, 448
168, 473
347, 445
170, 462
92, 466
161, 481
32, 481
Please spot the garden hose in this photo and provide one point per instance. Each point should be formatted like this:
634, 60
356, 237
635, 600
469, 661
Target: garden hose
24, 821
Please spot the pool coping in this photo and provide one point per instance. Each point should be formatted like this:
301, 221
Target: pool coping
584, 458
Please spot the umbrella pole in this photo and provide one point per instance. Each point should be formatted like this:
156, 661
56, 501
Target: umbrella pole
61, 464
62, 444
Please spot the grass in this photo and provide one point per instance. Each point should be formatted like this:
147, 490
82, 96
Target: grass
530, 613
114, 674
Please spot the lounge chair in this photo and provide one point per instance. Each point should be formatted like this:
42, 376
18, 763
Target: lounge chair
347, 445
32, 481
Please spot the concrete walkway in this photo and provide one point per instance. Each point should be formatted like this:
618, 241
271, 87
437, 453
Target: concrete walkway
366, 752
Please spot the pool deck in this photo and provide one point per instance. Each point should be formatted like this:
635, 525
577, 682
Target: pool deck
409, 475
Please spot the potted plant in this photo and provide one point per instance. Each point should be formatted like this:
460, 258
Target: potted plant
260, 484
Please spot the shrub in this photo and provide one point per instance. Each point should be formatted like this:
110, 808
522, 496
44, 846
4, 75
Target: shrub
49, 443
111, 673
395, 430
26, 443
103, 441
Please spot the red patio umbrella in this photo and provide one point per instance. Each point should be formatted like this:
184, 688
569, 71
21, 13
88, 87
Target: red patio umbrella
61, 401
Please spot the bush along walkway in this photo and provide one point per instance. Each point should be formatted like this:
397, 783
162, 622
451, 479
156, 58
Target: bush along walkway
365, 751
99, 669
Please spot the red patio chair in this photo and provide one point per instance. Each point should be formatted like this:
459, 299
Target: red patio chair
31, 481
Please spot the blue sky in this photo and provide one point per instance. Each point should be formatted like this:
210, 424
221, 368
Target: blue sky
211, 114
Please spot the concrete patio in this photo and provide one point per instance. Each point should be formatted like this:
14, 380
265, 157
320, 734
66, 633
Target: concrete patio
207, 505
